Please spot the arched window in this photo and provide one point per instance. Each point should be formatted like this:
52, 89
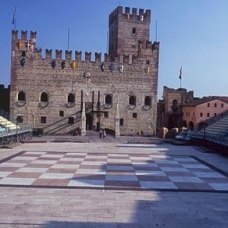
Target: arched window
71, 98
147, 101
174, 105
108, 99
132, 100
21, 96
44, 97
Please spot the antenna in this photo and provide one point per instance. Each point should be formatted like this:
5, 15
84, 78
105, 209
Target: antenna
156, 31
68, 39
107, 43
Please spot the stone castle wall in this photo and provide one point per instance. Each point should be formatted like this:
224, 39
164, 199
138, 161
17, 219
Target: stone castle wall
88, 81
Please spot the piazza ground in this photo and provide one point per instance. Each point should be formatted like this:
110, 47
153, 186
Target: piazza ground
110, 184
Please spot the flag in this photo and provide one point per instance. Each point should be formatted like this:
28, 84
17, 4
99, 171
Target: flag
14, 17
180, 75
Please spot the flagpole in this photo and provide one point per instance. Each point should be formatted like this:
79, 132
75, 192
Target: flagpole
180, 76
14, 18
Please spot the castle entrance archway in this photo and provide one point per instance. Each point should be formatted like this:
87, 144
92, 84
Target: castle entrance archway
89, 121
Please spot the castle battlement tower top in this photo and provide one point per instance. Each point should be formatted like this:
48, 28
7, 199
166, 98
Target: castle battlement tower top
126, 28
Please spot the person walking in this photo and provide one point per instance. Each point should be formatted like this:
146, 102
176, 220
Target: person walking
100, 133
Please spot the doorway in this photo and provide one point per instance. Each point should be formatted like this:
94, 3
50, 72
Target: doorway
89, 121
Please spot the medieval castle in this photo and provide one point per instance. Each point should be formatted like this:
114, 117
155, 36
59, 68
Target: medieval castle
119, 93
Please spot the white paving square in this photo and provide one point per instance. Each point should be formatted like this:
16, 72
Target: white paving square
17, 181
140, 158
65, 166
52, 155
94, 163
86, 183
56, 175
34, 153
96, 157
219, 186
174, 169
76, 154
185, 159
157, 185
90, 171
71, 159
209, 174
195, 166
23, 158
32, 170
10, 164
166, 162
185, 179
46, 162
121, 178
113, 160
150, 172
120, 167
4, 174
141, 164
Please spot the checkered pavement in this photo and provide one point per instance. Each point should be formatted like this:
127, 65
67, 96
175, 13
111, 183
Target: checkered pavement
111, 171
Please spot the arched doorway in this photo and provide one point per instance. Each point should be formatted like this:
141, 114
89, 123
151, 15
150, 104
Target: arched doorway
89, 121
191, 126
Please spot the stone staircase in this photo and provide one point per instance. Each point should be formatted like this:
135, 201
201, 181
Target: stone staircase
219, 127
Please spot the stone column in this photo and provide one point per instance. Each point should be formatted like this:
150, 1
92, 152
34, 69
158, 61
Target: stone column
117, 122
83, 130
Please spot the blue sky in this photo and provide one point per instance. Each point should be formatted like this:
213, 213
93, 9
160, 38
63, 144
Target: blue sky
192, 34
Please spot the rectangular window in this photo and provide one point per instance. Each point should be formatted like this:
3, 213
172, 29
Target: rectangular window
134, 115
201, 114
43, 119
215, 105
71, 120
222, 105
121, 122
19, 119
208, 105
61, 113
208, 114
105, 114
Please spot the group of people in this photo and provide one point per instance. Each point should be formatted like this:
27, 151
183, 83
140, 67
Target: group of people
102, 133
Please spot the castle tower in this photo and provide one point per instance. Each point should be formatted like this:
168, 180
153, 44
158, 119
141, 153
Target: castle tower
22, 48
126, 29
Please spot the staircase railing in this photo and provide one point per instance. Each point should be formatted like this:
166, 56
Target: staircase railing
61, 124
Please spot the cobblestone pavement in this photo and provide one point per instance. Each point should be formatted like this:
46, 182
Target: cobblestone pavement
110, 204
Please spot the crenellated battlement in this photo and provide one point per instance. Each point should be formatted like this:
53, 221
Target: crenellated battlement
24, 35
127, 59
144, 47
147, 45
130, 14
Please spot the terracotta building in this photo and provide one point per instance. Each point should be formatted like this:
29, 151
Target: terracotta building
49, 91
197, 112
